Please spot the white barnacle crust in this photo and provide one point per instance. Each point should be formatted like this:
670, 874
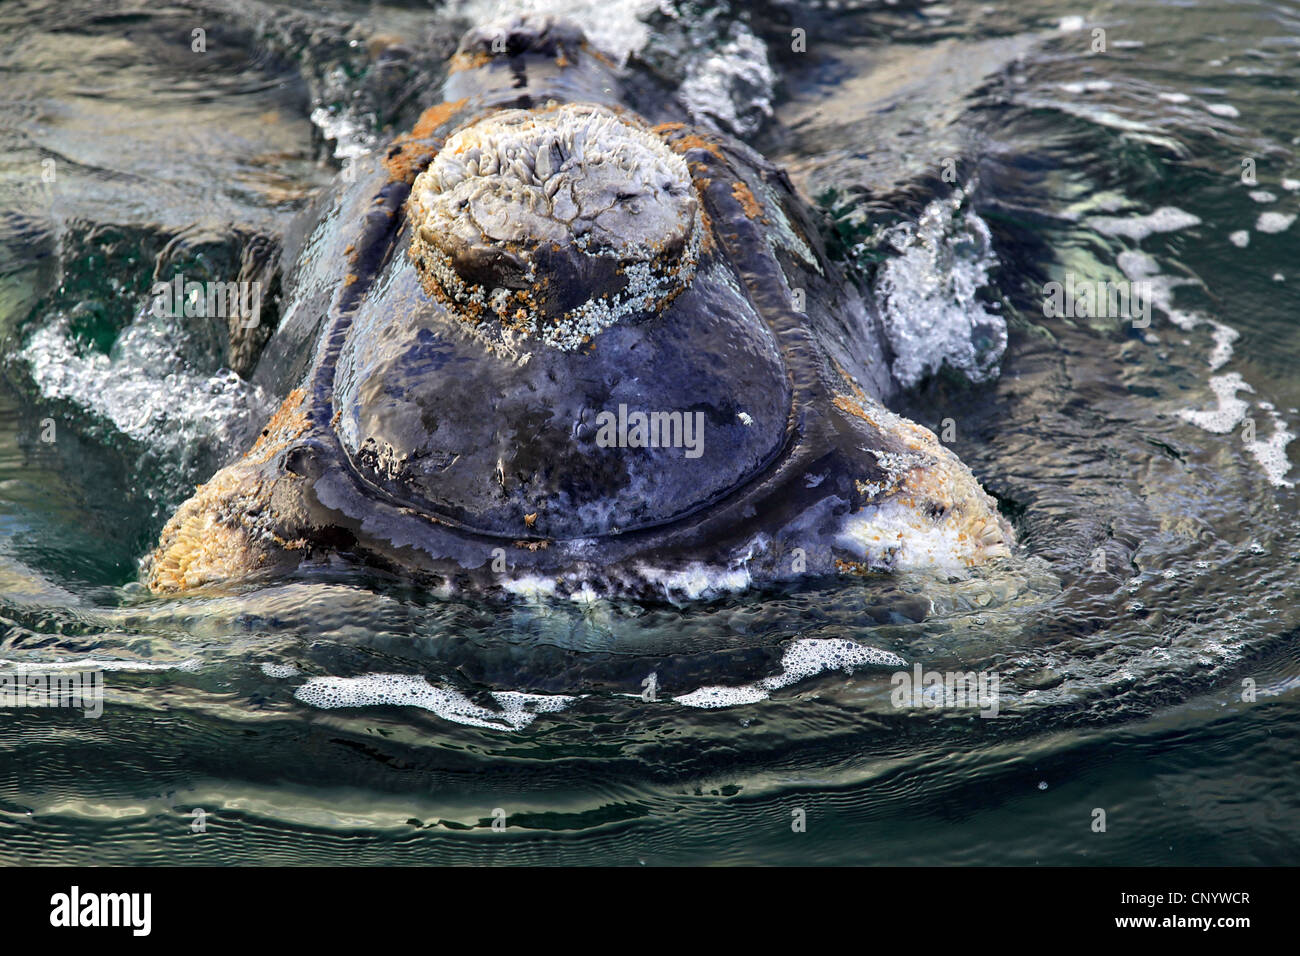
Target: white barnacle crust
557, 222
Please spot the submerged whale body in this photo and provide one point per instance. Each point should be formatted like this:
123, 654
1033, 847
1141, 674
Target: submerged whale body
540, 342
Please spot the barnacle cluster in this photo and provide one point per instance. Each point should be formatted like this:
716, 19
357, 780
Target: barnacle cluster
927, 510
556, 222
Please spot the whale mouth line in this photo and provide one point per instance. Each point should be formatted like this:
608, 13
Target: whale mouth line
428, 511
554, 224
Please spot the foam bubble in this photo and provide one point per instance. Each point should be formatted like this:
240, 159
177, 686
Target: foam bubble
726, 81
517, 710
1164, 219
1223, 337
1137, 264
279, 670
808, 657
716, 696
351, 137
1263, 195
1223, 109
1229, 411
802, 659
585, 595
1274, 221
1271, 453
1174, 97
1240, 238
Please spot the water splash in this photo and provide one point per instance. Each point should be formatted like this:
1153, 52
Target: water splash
147, 391
730, 89
929, 295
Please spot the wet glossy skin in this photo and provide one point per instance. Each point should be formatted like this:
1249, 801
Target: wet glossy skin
437, 433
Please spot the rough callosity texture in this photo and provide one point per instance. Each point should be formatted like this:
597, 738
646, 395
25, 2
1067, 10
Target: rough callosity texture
231, 527
558, 221
928, 510
410, 152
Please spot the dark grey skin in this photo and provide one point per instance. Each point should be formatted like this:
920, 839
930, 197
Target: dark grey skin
415, 439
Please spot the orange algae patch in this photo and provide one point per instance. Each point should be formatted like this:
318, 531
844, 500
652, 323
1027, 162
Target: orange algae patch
407, 155
287, 424
586, 47
684, 144
848, 380
846, 404
469, 61
748, 203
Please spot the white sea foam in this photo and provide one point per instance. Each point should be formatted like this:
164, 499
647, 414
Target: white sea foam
804, 658
1139, 265
279, 670
1223, 336
350, 135
585, 595
716, 696
1223, 109
517, 710
1271, 452
1229, 410
1240, 238
1274, 221
1164, 219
